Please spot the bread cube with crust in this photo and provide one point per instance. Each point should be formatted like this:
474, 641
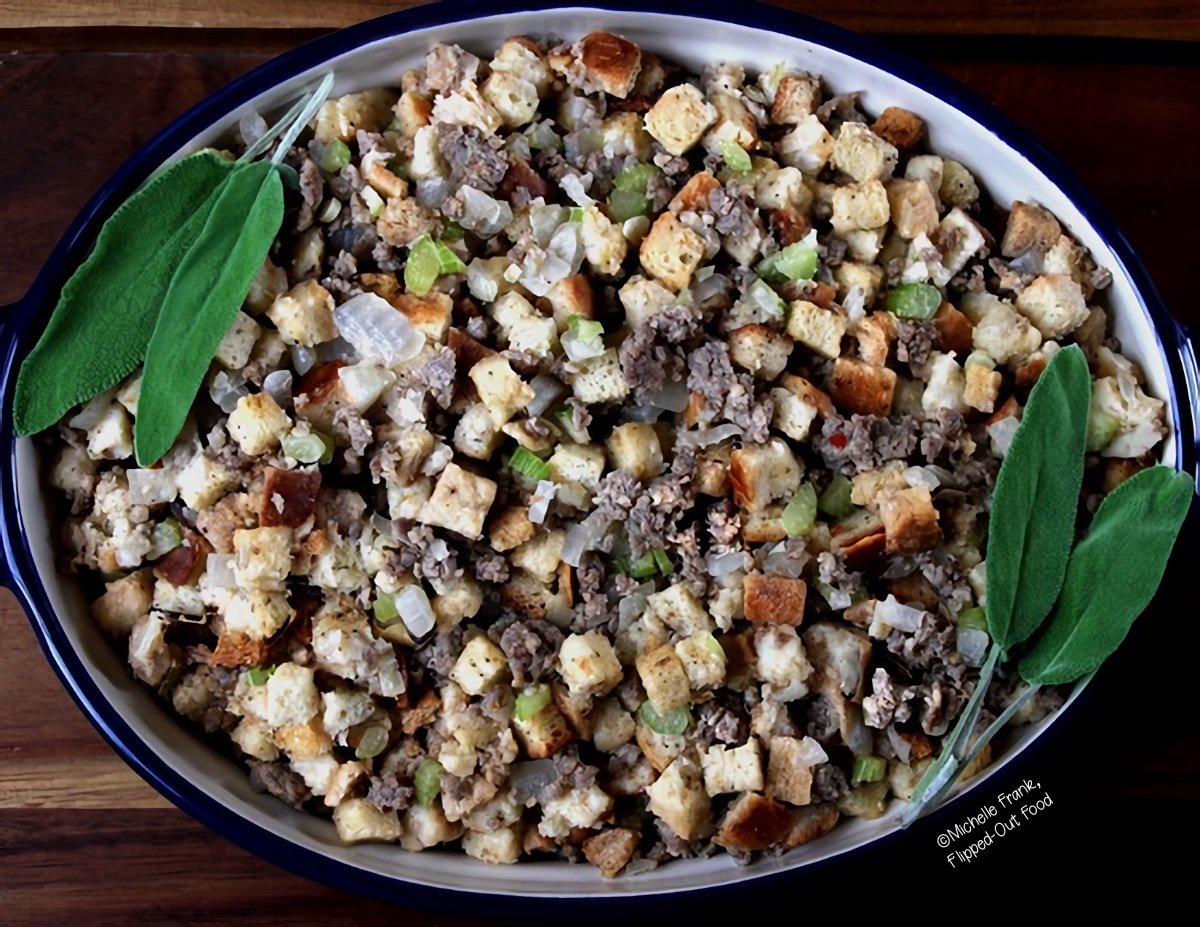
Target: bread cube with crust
737, 769
959, 238
480, 666
679, 118
600, 379
735, 123
945, 387
664, 679
571, 296
862, 388
578, 808
694, 195
678, 608
703, 660
577, 469
604, 243
588, 664
359, 821
910, 521
753, 822
292, 696
862, 154
763, 473
634, 447
257, 424
257, 615
476, 435
413, 111
913, 208
610, 850
900, 128
679, 799
644, 298
543, 734
958, 188
263, 557
611, 62
205, 480
541, 555
426, 826
341, 118
861, 205
850, 274
797, 405
789, 777
782, 188
929, 170
125, 600
774, 599
1054, 304
671, 251
797, 97
840, 655
500, 388
1029, 227
429, 314
460, 502
521, 56
817, 328
982, 387
513, 97
807, 147
780, 662
760, 349
999, 330
466, 105
304, 314
233, 352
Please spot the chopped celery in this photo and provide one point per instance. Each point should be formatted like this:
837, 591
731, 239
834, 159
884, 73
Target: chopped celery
624, 205
576, 214
1102, 428
675, 721
330, 210
762, 293
981, 358
665, 566
868, 769
642, 568
373, 200
527, 462
373, 742
530, 701
800, 515
423, 266
586, 329
973, 618
835, 500
797, 261
713, 646
448, 261
427, 782
385, 610
258, 675
452, 231
334, 156
735, 156
634, 179
164, 538
313, 447
399, 168
914, 301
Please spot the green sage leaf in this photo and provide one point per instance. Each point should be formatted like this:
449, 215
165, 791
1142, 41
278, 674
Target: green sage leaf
99, 330
205, 294
1032, 521
1112, 575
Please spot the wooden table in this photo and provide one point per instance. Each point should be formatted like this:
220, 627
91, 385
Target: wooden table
1112, 86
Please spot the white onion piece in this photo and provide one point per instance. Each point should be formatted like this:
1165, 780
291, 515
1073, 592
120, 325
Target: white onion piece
1027, 262
219, 569
150, 487
972, 645
1002, 432
278, 385
780, 563
643, 413
581, 349
674, 397
337, 349
546, 389
377, 330
93, 413
303, 359
575, 110
855, 303
890, 613
837, 599
977, 578
225, 389
415, 610
364, 383
482, 214
434, 191
859, 738
528, 778
922, 478
711, 286
899, 745
544, 220
582, 537
704, 437
723, 564
812, 753
542, 497
482, 282
567, 243
576, 187
252, 127
518, 145
631, 606
635, 229
383, 525
540, 270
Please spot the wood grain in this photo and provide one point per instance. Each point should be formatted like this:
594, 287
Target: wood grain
1155, 19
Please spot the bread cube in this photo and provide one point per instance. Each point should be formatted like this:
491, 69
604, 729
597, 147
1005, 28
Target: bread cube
780, 662
304, 314
292, 696
945, 387
958, 188
862, 205
679, 799
862, 154
405, 220
257, 424
522, 56
610, 62
513, 97
545, 733
760, 349
256, 614
774, 599
1029, 227
523, 327
604, 244
910, 521
600, 379
999, 330
732, 770
579, 808
233, 353
789, 778
502, 846
480, 666
703, 660
571, 296
782, 188
735, 123
982, 387
761, 474
125, 600
664, 679
817, 328
678, 608
643, 299
460, 502
427, 826
359, 821
610, 850
466, 105
807, 147
797, 97
263, 557
634, 448
913, 208
859, 387
1054, 303
850, 274
413, 111
500, 387
679, 118
476, 435
899, 127
588, 664
540, 555
510, 528
429, 314
671, 252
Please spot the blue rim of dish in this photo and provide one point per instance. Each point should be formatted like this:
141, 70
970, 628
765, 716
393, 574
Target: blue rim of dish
17, 569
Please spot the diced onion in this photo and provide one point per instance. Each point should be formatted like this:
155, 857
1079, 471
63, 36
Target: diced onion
704, 437
582, 537
252, 127
837, 599
922, 478
635, 229
574, 186
711, 286
225, 389
643, 412
482, 214
540, 270
812, 753
303, 359
546, 389
972, 645
278, 385
219, 569
579, 348
674, 397
855, 303
542, 497
631, 606
723, 564
93, 413
900, 746
1001, 433
567, 244
545, 220
781, 563
376, 330
434, 191
415, 610
528, 778
151, 487
894, 614
336, 349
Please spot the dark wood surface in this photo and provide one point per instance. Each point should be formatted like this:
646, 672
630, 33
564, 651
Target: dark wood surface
84, 840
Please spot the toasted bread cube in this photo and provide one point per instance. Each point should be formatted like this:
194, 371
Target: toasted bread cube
874, 334
576, 708
789, 778
427, 826
664, 679
732, 770
257, 424
862, 205
510, 528
341, 118
204, 481
427, 160
781, 662
1029, 227
840, 654
610, 850
774, 599
579, 808
502, 846
253, 739
124, 601
292, 696
544, 734
588, 664
634, 448
600, 379
304, 314
694, 195
522, 56
735, 123
679, 118
641, 636
712, 471
958, 187
910, 521
753, 822
782, 188
604, 244
703, 660
513, 97
480, 666
263, 557
1000, 331
796, 98
577, 469
807, 147
863, 155
671, 252
413, 111
359, 821
623, 134
945, 387
850, 274
679, 799
500, 387
385, 182
864, 244
913, 208
405, 220
859, 387
571, 296
820, 329
611, 62
763, 527
1054, 303
476, 435
256, 614
429, 314
660, 750
797, 405
965, 239
462, 599
233, 352
761, 474
868, 485
466, 105
612, 725
899, 127
760, 349
540, 555
982, 387
678, 608
929, 170
643, 299
460, 502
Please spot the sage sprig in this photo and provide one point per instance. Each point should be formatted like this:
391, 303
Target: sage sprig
1100, 586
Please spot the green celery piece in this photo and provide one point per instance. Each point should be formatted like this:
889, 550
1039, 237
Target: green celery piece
99, 330
1112, 575
1032, 522
204, 296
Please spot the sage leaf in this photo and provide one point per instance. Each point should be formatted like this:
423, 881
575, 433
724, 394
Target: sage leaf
99, 330
1112, 575
205, 294
1032, 521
